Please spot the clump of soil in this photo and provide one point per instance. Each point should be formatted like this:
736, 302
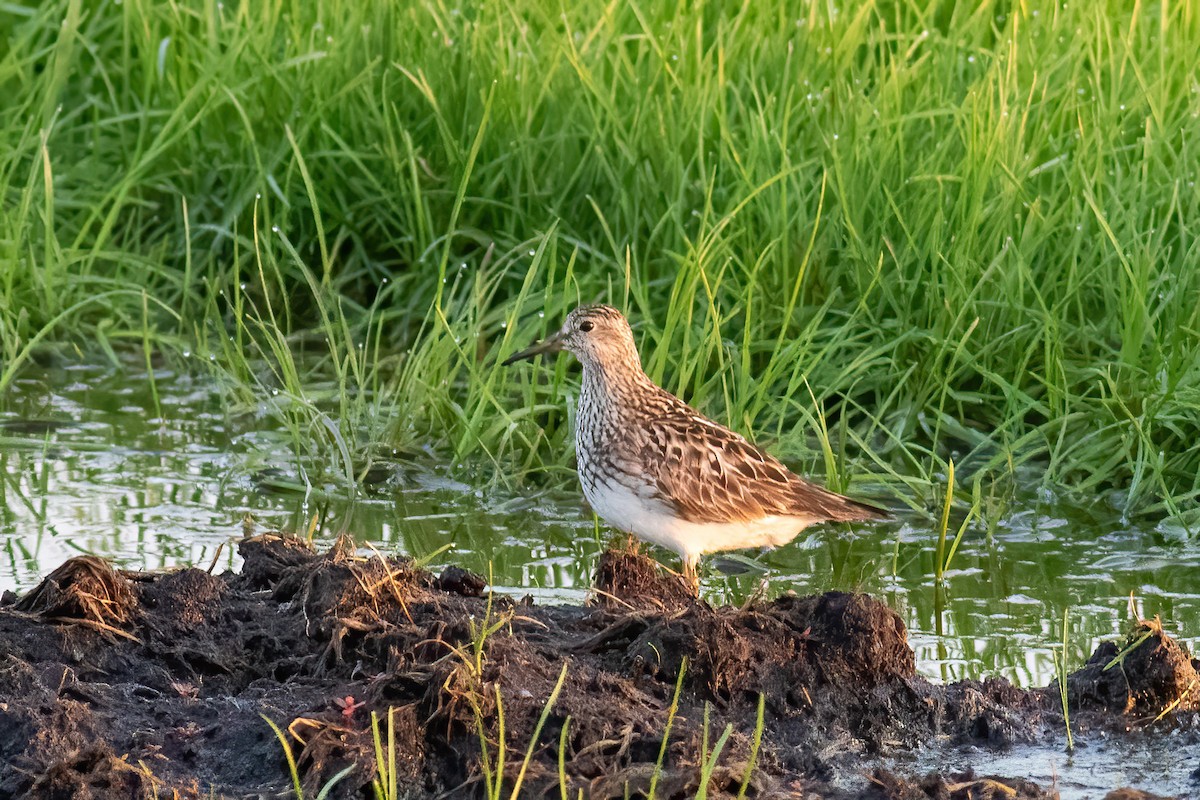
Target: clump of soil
84, 589
625, 578
324, 643
961, 786
1133, 794
1146, 674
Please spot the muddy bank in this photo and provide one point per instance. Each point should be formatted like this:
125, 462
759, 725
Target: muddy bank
129, 685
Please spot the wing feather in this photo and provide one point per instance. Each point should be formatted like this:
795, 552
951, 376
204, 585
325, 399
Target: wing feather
708, 473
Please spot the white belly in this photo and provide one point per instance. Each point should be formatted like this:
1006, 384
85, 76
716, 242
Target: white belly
650, 519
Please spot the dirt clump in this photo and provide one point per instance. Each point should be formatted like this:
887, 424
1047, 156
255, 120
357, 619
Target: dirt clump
645, 687
785, 649
84, 590
627, 579
456, 580
1145, 675
1134, 794
960, 786
266, 558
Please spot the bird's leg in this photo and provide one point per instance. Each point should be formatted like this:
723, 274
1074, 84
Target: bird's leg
691, 573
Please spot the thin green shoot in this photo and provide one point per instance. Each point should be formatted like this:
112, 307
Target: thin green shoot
384, 785
294, 771
755, 743
563, 740
1060, 665
1119, 658
939, 565
423, 562
671, 712
972, 512
148, 355
291, 759
537, 731
494, 765
708, 761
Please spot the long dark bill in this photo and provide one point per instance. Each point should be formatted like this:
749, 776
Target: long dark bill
551, 344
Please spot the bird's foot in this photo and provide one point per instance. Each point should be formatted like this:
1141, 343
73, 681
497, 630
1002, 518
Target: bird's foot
691, 576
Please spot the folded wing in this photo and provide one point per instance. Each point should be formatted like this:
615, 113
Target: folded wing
708, 473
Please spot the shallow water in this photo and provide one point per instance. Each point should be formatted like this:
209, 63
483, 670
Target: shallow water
1158, 764
88, 464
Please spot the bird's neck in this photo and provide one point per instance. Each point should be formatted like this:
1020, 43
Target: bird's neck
611, 387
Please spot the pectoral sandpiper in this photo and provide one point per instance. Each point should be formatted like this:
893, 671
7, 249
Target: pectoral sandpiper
652, 466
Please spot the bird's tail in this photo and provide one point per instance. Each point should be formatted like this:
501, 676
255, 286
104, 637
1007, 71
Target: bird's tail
856, 511
839, 508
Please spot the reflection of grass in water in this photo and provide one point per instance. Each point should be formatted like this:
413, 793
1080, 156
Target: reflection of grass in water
965, 234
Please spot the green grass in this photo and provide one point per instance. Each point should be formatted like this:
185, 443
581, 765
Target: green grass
294, 770
1063, 671
874, 238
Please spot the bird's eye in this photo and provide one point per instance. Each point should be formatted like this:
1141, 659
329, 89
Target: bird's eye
586, 325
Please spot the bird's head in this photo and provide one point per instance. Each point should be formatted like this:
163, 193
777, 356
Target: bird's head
597, 335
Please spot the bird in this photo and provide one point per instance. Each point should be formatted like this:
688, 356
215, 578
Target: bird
652, 466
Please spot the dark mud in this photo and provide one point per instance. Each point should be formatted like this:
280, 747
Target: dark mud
127, 685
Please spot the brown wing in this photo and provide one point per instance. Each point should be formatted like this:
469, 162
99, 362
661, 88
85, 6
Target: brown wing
720, 477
